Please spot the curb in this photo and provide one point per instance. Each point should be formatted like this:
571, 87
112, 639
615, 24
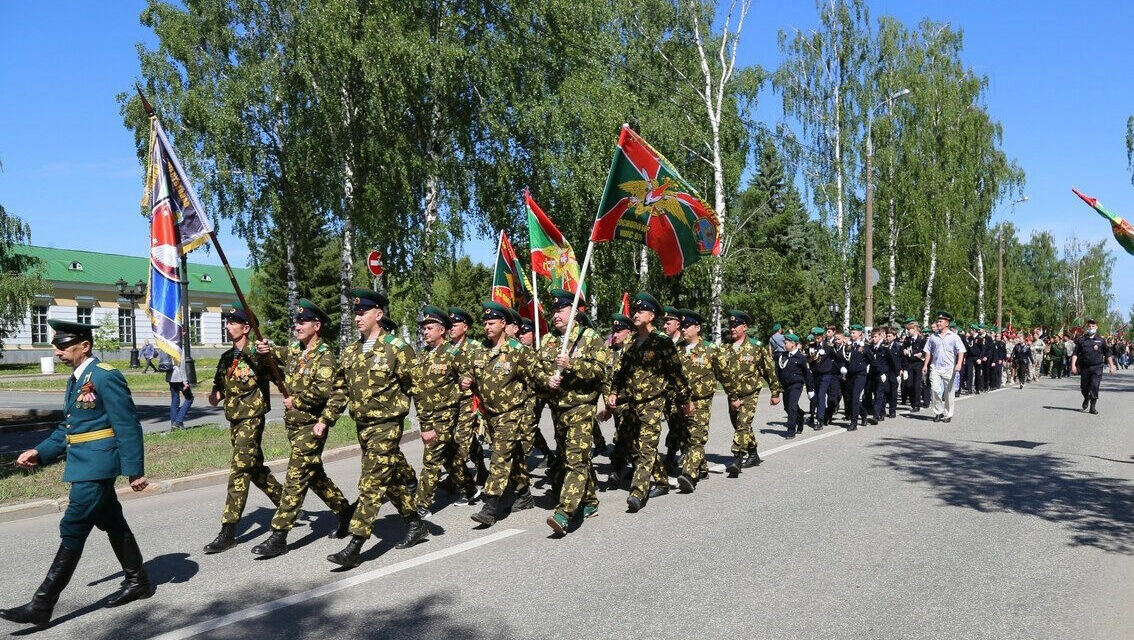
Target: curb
37, 508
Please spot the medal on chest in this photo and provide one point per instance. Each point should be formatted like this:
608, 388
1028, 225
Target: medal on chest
86, 399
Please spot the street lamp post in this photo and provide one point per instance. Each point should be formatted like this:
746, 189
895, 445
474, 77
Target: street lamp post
1000, 270
833, 309
133, 293
868, 225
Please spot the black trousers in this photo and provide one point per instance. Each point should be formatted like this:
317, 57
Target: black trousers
968, 374
893, 381
1089, 379
856, 383
827, 396
978, 377
791, 405
878, 400
1022, 372
912, 388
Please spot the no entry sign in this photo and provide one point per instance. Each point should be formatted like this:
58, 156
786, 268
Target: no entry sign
374, 263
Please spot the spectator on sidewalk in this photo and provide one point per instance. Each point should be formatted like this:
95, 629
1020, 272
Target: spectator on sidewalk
149, 353
178, 389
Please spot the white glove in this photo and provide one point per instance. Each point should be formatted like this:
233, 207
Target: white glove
883, 377
905, 375
843, 370
822, 351
810, 395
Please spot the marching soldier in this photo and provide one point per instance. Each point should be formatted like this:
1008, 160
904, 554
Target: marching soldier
647, 371
309, 371
468, 416
676, 432
893, 382
744, 365
881, 371
699, 364
502, 377
1022, 359
854, 365
526, 336
795, 376
625, 438
821, 360
573, 382
102, 439
1091, 354
913, 357
437, 397
242, 382
373, 380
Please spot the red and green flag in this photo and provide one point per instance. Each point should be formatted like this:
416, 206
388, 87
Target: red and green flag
552, 255
626, 303
510, 285
1122, 229
647, 201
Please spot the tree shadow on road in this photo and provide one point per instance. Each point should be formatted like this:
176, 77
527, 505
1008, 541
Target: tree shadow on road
1097, 510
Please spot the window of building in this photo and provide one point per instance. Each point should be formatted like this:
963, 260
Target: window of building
39, 324
125, 327
194, 327
83, 314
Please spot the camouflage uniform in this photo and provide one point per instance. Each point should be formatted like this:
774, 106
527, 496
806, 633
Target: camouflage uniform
502, 378
468, 419
437, 395
677, 425
625, 438
573, 411
375, 385
742, 371
310, 380
698, 364
646, 373
242, 379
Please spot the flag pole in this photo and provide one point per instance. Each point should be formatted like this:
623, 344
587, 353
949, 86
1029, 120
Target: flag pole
535, 302
495, 264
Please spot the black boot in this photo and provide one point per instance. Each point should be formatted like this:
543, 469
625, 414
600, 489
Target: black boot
344, 521
524, 501
658, 490
752, 459
1093, 409
38, 611
349, 556
136, 585
275, 545
415, 533
733, 468
224, 541
1085, 403
686, 484
487, 513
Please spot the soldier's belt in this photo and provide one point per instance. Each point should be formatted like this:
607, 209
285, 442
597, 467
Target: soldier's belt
90, 436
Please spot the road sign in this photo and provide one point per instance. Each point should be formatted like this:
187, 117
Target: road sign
374, 263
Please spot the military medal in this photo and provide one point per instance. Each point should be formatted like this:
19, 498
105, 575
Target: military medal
87, 397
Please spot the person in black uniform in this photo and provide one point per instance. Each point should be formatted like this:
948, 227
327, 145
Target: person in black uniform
968, 372
897, 358
1001, 356
881, 371
980, 366
826, 377
912, 357
795, 376
1091, 354
851, 356
1022, 360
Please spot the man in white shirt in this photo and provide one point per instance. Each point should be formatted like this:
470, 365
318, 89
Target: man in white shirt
945, 355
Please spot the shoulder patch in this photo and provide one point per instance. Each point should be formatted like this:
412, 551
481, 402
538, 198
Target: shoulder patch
514, 343
390, 338
106, 367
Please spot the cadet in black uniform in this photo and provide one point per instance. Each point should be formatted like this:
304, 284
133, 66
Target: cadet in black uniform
881, 372
1091, 353
821, 356
851, 355
913, 358
1022, 359
894, 381
791, 366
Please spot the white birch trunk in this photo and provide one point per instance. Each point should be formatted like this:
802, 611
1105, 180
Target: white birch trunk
643, 267
292, 280
980, 286
929, 284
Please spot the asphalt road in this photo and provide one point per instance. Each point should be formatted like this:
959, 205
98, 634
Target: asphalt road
1014, 521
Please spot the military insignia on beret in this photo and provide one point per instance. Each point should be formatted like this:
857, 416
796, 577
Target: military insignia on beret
355, 300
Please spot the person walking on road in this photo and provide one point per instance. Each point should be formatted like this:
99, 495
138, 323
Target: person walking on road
1022, 359
1090, 355
148, 354
945, 357
180, 393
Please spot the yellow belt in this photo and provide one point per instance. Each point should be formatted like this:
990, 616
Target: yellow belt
90, 436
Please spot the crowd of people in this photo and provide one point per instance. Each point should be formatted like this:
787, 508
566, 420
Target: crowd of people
654, 367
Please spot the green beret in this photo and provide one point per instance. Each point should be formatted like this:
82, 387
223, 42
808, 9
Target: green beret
974, 326
67, 332
495, 311
792, 337
364, 299
310, 312
645, 302
776, 327
857, 327
434, 315
736, 316
817, 331
690, 317
457, 314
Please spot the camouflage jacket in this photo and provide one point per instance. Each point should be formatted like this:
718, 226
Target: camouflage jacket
242, 378
742, 370
582, 381
436, 380
375, 385
465, 352
617, 348
699, 363
310, 379
649, 370
502, 376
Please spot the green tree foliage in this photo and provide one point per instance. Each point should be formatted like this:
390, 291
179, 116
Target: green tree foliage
20, 277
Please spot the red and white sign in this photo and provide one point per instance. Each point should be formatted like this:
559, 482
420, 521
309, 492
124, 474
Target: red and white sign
374, 263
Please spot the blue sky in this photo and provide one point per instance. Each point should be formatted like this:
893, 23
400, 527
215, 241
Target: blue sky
1061, 83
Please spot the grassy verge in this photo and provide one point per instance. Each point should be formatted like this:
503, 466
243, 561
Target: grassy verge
137, 380
168, 455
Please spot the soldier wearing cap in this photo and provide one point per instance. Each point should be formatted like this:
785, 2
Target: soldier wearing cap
625, 439
699, 364
572, 381
1091, 354
526, 336
854, 367
821, 356
913, 346
102, 439
308, 365
744, 365
242, 381
676, 432
648, 370
795, 376
468, 414
502, 376
893, 382
437, 395
374, 379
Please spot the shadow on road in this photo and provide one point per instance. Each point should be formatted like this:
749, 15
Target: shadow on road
1097, 510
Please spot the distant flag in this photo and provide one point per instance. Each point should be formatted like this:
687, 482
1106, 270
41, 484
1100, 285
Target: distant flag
647, 201
626, 303
552, 255
1122, 229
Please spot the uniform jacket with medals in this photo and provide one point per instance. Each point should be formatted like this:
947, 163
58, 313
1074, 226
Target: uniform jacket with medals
650, 369
744, 368
310, 379
502, 376
585, 378
436, 379
242, 379
700, 365
375, 385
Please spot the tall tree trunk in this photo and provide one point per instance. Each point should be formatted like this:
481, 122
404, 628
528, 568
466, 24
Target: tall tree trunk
840, 212
432, 194
892, 246
643, 267
929, 284
980, 285
717, 284
292, 276
346, 258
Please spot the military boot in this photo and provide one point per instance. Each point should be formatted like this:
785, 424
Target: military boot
38, 611
415, 533
686, 484
275, 545
487, 513
752, 459
350, 555
136, 585
524, 501
733, 468
658, 490
224, 541
1093, 409
1085, 403
344, 521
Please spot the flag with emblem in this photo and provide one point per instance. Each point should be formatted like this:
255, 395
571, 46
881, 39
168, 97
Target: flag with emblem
166, 200
552, 255
647, 201
626, 303
510, 285
1122, 229
165, 176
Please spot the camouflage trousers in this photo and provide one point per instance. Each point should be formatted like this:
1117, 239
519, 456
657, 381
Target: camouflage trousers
697, 426
743, 438
383, 475
248, 466
625, 438
646, 419
511, 442
574, 437
441, 453
305, 471
464, 435
677, 431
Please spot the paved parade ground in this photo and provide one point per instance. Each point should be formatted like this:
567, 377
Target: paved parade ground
1016, 520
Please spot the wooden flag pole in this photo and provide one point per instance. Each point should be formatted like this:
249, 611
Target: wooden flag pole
535, 302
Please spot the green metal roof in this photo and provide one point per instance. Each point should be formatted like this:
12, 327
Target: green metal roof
107, 268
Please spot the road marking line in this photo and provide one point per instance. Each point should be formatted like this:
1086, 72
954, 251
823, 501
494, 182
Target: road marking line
275, 605
792, 445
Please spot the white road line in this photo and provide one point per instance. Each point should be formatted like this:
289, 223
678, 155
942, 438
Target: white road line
275, 605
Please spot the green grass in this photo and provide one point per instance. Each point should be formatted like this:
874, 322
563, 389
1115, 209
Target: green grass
168, 455
137, 380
